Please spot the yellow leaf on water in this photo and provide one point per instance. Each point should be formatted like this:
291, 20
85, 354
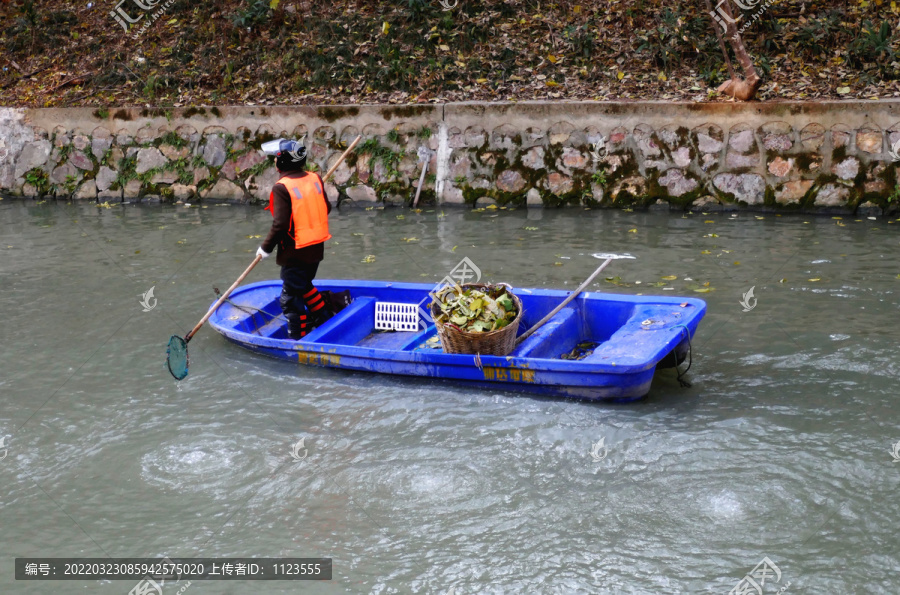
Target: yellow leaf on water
453, 249
737, 262
814, 279
632, 230
709, 221
837, 217
369, 258
669, 277
558, 264
705, 252
703, 290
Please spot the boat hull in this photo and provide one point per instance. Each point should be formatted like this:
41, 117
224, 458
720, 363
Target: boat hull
634, 335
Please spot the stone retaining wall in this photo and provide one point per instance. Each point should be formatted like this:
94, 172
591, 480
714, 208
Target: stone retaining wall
830, 156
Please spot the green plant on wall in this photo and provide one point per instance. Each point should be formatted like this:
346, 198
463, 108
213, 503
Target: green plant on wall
39, 179
71, 184
895, 197
599, 178
388, 157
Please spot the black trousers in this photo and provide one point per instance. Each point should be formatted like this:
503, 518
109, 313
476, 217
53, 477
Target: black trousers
298, 281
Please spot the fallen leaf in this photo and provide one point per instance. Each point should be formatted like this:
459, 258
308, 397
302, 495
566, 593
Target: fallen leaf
669, 277
814, 279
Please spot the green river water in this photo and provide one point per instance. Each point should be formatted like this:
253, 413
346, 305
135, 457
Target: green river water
782, 448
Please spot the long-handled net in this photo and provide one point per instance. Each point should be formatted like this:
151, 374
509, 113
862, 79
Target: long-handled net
177, 357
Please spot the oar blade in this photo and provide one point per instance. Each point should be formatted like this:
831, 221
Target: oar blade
177, 357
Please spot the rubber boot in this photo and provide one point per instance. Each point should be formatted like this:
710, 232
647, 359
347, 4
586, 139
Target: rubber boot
297, 326
297, 318
319, 312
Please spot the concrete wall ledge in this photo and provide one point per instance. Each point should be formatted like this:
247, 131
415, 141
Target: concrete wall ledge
828, 157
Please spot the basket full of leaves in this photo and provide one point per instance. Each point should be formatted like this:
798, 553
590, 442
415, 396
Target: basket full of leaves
477, 318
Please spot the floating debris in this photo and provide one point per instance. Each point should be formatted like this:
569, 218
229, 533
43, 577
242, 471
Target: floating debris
581, 351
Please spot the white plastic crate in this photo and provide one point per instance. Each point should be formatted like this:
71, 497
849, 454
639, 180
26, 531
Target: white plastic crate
393, 316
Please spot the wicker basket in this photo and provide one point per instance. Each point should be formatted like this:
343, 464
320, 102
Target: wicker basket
498, 342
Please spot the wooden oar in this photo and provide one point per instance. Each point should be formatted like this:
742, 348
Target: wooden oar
177, 354
565, 302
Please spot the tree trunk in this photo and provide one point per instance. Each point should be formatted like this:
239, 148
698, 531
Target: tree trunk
739, 89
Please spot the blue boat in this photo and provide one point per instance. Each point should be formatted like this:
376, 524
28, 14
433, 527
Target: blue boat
625, 339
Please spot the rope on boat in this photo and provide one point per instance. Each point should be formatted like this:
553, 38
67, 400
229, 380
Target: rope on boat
680, 378
247, 308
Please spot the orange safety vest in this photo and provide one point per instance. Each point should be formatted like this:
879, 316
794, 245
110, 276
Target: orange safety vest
309, 215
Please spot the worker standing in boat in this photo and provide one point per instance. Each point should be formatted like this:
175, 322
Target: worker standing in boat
300, 210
